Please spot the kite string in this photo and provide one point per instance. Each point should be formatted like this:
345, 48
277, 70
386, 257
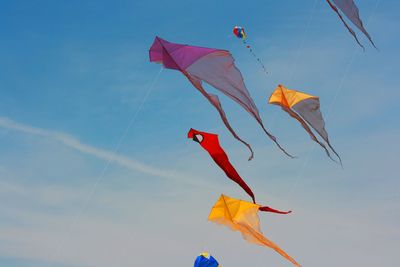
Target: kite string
106, 166
338, 91
303, 39
305, 33
247, 45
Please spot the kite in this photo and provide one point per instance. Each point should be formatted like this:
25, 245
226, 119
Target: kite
350, 10
242, 216
211, 144
305, 109
215, 67
206, 260
239, 32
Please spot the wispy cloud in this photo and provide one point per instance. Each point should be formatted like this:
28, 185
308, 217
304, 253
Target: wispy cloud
103, 154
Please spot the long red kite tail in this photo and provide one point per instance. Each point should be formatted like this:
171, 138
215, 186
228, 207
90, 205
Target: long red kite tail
345, 24
269, 209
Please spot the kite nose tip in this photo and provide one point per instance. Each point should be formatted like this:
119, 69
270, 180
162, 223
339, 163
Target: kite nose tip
190, 133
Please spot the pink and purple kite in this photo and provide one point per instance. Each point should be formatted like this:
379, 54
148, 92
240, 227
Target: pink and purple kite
215, 67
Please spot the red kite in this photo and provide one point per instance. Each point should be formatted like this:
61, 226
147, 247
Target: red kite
211, 144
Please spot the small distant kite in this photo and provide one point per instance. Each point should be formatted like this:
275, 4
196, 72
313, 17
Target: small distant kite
206, 260
305, 109
242, 216
239, 32
211, 144
215, 67
350, 9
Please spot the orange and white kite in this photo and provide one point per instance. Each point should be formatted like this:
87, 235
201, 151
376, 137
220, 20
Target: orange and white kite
305, 109
242, 216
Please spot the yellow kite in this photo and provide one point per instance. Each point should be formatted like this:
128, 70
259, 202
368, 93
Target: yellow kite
305, 109
242, 216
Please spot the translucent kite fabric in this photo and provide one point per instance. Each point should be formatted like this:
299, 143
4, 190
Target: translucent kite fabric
242, 216
349, 8
210, 143
305, 109
215, 67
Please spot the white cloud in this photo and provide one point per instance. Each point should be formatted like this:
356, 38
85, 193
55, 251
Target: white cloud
106, 155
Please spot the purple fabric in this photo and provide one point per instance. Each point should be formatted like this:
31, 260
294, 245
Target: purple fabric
350, 9
215, 67
176, 56
218, 69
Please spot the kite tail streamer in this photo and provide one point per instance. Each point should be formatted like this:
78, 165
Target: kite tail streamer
268, 243
214, 100
276, 142
269, 209
368, 36
308, 130
334, 151
217, 104
255, 56
225, 120
273, 138
346, 25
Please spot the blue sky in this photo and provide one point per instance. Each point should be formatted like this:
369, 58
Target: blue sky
73, 74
